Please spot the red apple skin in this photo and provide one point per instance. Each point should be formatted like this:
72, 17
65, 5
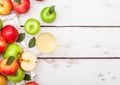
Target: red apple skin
5, 7
21, 8
3, 44
8, 70
10, 33
32, 83
39, 0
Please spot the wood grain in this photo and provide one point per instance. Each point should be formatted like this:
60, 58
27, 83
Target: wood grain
77, 12
80, 42
78, 72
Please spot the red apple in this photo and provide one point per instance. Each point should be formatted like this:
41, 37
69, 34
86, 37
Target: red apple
5, 7
32, 83
3, 80
10, 33
39, 0
21, 6
3, 44
8, 69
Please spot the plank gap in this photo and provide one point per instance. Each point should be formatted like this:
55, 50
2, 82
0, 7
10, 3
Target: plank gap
78, 58
86, 26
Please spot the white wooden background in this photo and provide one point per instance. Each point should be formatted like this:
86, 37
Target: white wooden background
80, 42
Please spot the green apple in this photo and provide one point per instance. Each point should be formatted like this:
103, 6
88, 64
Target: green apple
48, 14
32, 26
1, 24
13, 50
19, 76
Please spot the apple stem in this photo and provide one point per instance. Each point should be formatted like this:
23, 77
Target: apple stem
10, 60
51, 9
1, 5
18, 1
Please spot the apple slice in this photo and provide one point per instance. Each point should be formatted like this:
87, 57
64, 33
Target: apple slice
28, 61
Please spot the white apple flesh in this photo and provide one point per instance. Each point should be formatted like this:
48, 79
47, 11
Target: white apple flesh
28, 62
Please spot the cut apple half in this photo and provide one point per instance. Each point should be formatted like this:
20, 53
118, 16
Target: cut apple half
28, 61
46, 42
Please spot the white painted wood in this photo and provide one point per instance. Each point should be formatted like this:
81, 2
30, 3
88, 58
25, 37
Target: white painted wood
77, 12
83, 72
81, 42
11, 19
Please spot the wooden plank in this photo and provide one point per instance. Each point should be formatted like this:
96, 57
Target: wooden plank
83, 72
78, 12
81, 42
